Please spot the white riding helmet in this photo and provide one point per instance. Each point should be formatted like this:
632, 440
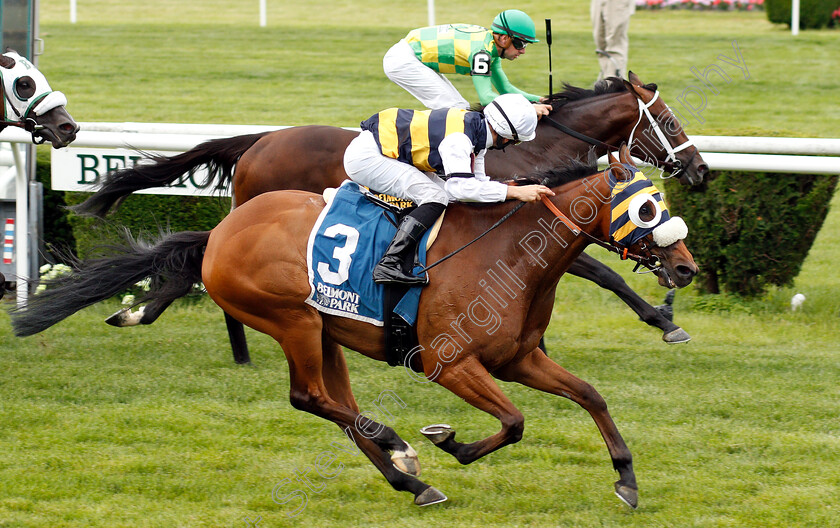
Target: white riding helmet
512, 117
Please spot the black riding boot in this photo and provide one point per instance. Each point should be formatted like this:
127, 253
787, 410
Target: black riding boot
395, 266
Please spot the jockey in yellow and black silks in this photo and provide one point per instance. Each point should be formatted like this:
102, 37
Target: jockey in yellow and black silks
413, 136
397, 145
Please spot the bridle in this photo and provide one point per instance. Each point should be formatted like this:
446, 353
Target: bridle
25, 120
671, 160
645, 258
671, 164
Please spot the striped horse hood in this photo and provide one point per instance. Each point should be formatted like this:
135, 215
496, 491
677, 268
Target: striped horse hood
637, 209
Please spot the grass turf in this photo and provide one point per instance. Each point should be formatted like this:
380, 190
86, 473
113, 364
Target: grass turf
156, 426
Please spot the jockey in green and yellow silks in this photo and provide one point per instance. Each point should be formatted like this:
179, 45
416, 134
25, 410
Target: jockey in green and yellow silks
418, 62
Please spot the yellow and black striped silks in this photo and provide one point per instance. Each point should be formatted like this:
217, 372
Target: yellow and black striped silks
626, 227
413, 136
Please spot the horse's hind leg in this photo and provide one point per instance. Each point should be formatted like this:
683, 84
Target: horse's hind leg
589, 268
536, 370
337, 380
470, 380
320, 385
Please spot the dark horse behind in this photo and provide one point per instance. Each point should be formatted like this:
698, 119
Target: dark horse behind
310, 158
30, 103
240, 261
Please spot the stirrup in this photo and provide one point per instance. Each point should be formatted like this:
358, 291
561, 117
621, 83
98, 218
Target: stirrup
386, 274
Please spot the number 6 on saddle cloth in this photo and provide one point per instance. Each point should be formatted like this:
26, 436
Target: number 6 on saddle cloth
348, 239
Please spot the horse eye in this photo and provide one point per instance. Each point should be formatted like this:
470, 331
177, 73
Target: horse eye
646, 212
643, 211
25, 88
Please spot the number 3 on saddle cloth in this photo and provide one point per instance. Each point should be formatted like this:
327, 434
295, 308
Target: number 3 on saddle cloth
348, 239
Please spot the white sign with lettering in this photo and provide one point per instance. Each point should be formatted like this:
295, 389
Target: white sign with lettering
82, 169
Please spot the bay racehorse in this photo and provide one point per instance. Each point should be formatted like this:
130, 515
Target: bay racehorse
29, 103
310, 158
253, 265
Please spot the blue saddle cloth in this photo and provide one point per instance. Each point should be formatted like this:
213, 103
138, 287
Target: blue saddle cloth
347, 241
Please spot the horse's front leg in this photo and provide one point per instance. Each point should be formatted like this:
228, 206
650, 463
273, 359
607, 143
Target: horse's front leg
470, 380
536, 370
589, 268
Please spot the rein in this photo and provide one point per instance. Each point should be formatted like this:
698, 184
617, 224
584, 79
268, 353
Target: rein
476, 239
583, 137
648, 261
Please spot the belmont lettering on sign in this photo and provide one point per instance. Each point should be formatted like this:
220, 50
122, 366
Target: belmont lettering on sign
82, 169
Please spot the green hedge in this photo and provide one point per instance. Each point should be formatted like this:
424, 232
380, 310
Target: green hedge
58, 233
145, 216
813, 14
750, 230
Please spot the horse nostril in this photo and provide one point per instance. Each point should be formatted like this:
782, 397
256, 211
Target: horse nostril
685, 271
69, 128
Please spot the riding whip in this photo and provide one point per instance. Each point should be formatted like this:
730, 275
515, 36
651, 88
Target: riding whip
548, 42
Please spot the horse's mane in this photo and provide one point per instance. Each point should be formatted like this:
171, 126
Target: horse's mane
571, 93
606, 86
569, 171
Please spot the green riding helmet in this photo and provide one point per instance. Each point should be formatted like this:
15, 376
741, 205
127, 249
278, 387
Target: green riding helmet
515, 23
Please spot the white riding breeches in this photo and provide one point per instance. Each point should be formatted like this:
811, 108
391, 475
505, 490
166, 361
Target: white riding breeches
428, 86
366, 165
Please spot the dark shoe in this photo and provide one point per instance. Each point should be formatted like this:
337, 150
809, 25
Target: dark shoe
394, 266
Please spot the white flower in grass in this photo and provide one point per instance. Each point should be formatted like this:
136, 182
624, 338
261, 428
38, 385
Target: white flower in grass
128, 299
145, 284
40, 288
45, 268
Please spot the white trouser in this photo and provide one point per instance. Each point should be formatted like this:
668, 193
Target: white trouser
366, 165
428, 86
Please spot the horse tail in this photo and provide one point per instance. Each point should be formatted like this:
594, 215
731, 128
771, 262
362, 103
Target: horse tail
218, 155
173, 263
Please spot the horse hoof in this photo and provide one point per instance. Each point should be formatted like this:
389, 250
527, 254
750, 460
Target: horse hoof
118, 319
628, 496
438, 433
126, 317
407, 462
676, 336
429, 497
